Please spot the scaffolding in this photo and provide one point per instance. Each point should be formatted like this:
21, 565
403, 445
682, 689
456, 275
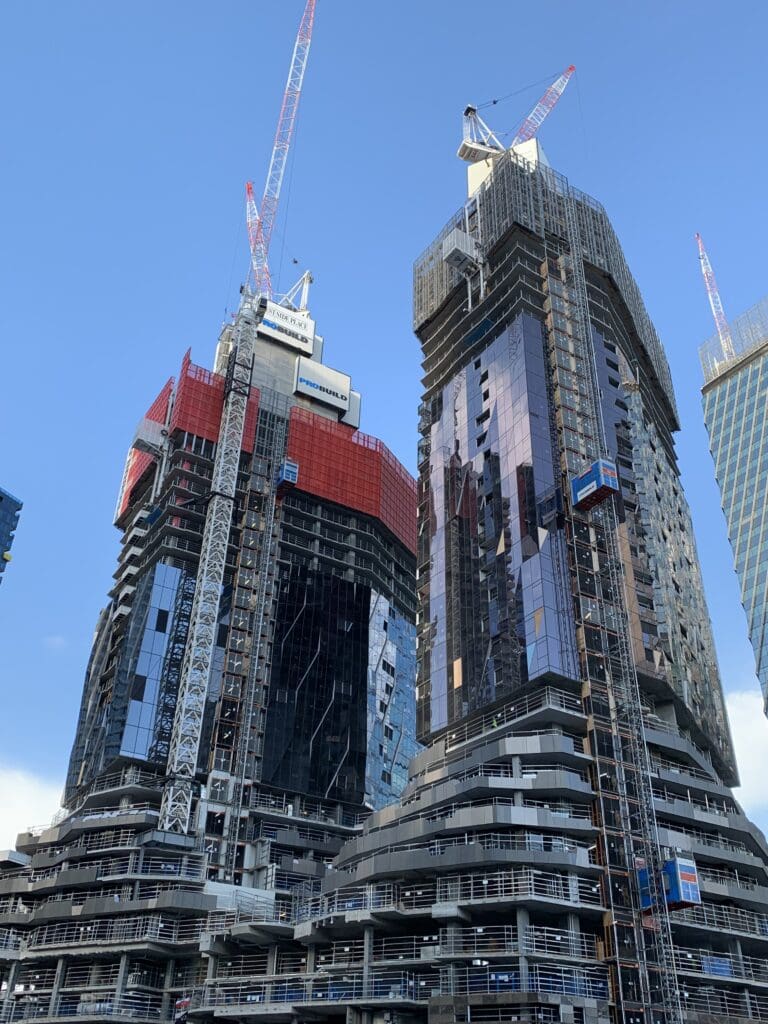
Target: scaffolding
519, 192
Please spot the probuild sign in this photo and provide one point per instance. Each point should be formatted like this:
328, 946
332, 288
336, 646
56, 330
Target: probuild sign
322, 383
289, 328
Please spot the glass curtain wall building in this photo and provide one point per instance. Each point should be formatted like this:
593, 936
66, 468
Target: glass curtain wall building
735, 399
10, 508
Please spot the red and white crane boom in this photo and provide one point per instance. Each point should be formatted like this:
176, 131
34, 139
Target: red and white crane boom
479, 142
713, 294
261, 223
531, 124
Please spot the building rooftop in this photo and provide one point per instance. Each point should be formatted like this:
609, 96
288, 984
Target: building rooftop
748, 333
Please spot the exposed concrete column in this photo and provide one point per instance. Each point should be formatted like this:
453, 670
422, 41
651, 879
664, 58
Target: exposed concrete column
734, 948
517, 772
574, 934
165, 1006
58, 978
122, 973
272, 959
452, 929
367, 957
523, 920
311, 957
210, 971
6, 1005
573, 888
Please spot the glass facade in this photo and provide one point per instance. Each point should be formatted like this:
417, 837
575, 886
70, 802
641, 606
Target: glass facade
10, 508
315, 741
498, 598
391, 705
736, 414
146, 676
340, 704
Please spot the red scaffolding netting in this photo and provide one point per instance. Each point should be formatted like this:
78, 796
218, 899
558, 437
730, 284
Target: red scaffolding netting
200, 401
197, 409
139, 462
350, 468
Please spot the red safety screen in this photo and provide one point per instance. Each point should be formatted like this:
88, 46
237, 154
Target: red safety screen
200, 401
197, 409
350, 468
139, 462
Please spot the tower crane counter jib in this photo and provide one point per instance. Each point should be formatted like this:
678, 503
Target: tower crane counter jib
479, 141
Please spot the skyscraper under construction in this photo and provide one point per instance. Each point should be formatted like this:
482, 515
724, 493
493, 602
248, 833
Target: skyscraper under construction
566, 848
309, 716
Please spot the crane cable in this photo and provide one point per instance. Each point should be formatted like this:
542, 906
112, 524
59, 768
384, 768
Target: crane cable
518, 92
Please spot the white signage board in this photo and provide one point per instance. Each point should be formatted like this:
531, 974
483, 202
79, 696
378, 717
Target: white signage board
289, 328
322, 384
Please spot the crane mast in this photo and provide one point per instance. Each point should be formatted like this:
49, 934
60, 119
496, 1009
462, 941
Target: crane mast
713, 294
178, 792
261, 225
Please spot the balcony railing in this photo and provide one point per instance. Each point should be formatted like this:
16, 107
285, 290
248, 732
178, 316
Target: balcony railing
407, 986
724, 965
724, 1003
713, 915
9, 939
307, 810
513, 712
95, 814
729, 878
525, 883
154, 928
663, 764
131, 1007
531, 842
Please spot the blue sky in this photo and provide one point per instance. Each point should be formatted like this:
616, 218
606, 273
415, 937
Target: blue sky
128, 133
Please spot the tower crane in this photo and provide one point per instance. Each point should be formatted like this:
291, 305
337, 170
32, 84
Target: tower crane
713, 294
479, 141
178, 791
261, 223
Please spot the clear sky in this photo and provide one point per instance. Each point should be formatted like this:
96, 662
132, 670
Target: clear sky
128, 131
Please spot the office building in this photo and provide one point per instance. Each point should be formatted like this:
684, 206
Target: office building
735, 397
